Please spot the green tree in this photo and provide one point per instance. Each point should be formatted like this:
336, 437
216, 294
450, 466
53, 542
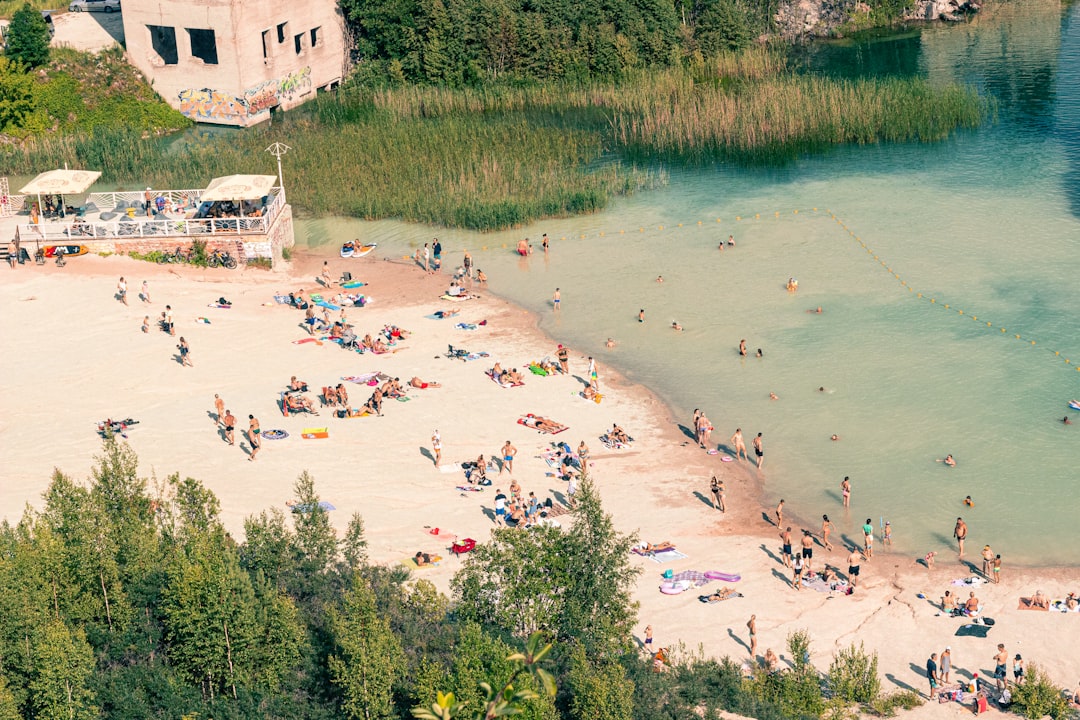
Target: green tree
598, 690
1038, 697
9, 707
28, 37
16, 96
354, 545
315, 541
368, 659
63, 663
511, 698
853, 675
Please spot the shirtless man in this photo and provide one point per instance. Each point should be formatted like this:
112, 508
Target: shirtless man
508, 452
418, 383
988, 561
971, 606
1000, 659
807, 550
737, 443
610, 343
960, 532
556, 298
564, 360
853, 561
759, 450
780, 513
219, 408
742, 347
230, 426
253, 436
785, 551
845, 490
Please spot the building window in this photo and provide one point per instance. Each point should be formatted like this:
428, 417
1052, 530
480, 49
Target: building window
315, 37
203, 45
281, 32
266, 44
163, 40
298, 43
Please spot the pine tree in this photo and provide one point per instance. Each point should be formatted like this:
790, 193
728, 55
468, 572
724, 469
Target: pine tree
28, 37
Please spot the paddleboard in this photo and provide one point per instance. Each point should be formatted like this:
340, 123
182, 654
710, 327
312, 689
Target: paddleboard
352, 284
1074, 404
66, 250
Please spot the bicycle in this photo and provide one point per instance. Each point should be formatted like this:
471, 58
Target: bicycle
221, 258
177, 256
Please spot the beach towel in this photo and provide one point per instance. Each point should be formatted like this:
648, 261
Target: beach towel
709, 599
1061, 606
476, 355
315, 433
469, 488
352, 284
972, 631
282, 300
455, 298
411, 564
554, 511
613, 445
816, 583
537, 369
371, 378
495, 380
466, 326
305, 507
973, 581
275, 434
665, 556
1027, 603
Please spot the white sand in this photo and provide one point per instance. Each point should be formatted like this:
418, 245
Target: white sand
73, 355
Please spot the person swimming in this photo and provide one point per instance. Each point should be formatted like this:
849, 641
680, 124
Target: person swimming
949, 461
969, 502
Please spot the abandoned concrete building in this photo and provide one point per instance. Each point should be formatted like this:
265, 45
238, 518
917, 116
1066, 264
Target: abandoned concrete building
234, 62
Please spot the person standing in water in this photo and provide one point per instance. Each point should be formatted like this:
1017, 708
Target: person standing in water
826, 528
545, 243
742, 347
759, 450
738, 444
641, 315
845, 490
556, 299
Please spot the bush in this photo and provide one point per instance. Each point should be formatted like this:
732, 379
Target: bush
152, 256
853, 675
197, 255
262, 263
1037, 696
887, 705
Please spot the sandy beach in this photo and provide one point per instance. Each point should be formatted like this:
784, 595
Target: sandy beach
74, 355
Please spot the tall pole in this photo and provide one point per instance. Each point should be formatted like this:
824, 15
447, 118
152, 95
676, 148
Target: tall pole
278, 150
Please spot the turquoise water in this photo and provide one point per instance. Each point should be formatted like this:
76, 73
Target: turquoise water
987, 223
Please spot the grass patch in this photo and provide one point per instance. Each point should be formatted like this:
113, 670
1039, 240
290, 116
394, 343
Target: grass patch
501, 155
261, 263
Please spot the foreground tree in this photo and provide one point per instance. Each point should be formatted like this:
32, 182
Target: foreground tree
63, 662
28, 37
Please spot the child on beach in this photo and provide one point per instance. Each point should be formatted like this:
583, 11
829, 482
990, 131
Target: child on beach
146, 324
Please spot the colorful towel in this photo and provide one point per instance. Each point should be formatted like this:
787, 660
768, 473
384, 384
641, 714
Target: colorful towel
366, 378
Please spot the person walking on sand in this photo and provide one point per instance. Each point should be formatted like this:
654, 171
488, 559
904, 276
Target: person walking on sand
564, 359
146, 292
185, 352
738, 444
641, 315
868, 539
796, 572
427, 258
759, 450
780, 513
254, 438
751, 625
845, 491
648, 638
168, 319
945, 665
583, 456
826, 528
326, 281
785, 549
508, 453
960, 532
997, 569
436, 447
146, 324
500, 507
219, 409
853, 566
717, 488
121, 291
932, 674
230, 426
556, 299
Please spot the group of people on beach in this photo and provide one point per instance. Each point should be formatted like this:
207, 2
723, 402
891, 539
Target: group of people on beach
226, 422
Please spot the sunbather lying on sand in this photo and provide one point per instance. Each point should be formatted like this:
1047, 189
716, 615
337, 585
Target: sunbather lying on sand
445, 313
646, 548
721, 594
542, 424
418, 383
617, 434
422, 558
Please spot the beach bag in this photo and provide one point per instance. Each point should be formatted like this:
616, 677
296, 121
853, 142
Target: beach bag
668, 574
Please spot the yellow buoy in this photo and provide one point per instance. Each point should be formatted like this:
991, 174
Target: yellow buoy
946, 306
919, 295
796, 211
601, 234
815, 209
1017, 337
504, 246
988, 324
1032, 342
699, 222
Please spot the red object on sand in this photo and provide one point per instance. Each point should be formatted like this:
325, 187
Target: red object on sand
466, 545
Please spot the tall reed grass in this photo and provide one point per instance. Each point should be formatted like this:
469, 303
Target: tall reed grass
500, 156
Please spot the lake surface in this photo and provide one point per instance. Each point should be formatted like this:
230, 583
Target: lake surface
968, 243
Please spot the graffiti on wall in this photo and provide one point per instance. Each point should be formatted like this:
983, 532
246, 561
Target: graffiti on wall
210, 105
267, 94
207, 105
